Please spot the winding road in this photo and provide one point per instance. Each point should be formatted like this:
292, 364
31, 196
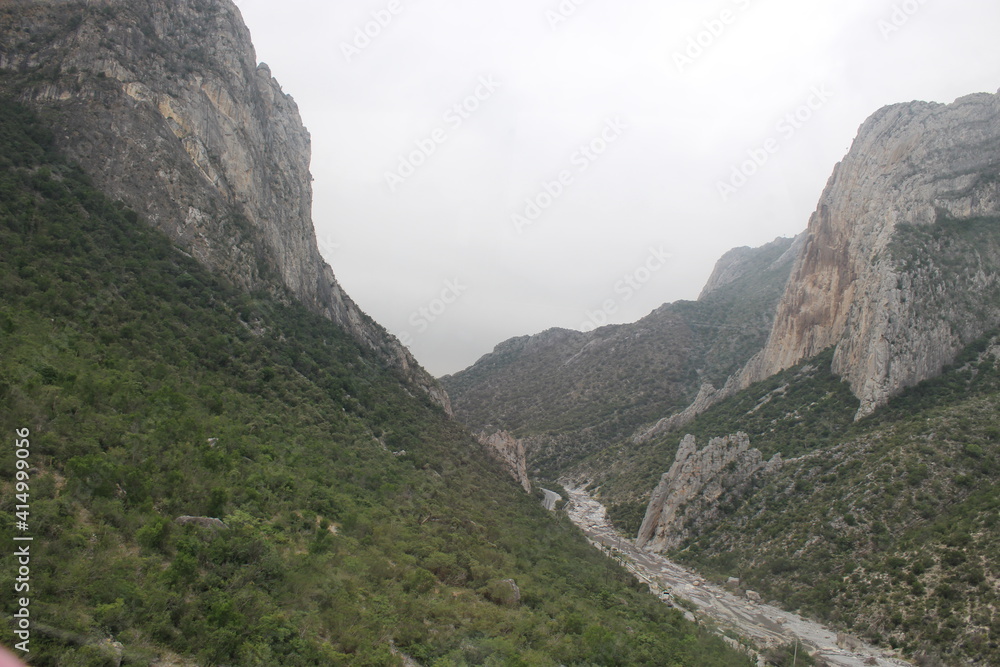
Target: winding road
764, 625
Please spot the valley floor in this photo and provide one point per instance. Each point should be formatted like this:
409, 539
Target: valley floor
764, 625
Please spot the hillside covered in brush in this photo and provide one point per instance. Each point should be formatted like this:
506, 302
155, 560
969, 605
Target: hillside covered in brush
358, 523
568, 393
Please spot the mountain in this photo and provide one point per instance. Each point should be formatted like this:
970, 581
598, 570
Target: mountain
567, 393
224, 461
849, 468
884, 527
167, 109
898, 305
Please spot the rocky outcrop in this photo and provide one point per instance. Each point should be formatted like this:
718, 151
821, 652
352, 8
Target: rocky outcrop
698, 481
852, 286
202, 522
745, 262
897, 310
509, 451
166, 107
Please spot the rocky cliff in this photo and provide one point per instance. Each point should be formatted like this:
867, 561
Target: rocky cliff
697, 483
855, 284
509, 451
166, 107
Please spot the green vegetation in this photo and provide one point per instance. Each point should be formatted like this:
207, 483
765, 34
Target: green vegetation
800, 410
569, 393
886, 527
153, 390
949, 271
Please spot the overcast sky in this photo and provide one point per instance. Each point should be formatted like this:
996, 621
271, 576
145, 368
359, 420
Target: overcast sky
486, 170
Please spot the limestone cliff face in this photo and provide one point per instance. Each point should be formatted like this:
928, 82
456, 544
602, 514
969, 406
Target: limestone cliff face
690, 492
164, 104
911, 165
745, 262
509, 451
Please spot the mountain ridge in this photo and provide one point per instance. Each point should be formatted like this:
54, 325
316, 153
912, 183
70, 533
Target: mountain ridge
567, 393
206, 144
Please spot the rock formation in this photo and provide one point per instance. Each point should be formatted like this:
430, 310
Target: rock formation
896, 314
911, 164
690, 492
745, 262
509, 451
204, 144
201, 521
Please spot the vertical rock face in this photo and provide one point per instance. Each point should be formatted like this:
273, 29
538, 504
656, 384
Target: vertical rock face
690, 492
911, 165
164, 104
510, 452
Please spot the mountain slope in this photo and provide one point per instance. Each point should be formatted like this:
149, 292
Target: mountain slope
357, 521
568, 393
165, 106
876, 385
860, 286
884, 527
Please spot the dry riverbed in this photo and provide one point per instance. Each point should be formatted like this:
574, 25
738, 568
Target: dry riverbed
762, 624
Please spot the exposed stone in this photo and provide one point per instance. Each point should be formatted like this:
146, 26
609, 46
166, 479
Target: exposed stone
893, 325
509, 451
848, 642
690, 492
166, 107
753, 596
910, 164
203, 521
515, 591
739, 263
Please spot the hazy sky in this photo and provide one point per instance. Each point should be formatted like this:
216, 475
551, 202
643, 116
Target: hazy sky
486, 170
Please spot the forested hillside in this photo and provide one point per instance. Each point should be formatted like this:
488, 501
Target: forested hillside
357, 522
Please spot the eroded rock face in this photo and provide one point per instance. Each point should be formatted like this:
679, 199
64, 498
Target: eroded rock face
911, 164
166, 107
691, 491
510, 452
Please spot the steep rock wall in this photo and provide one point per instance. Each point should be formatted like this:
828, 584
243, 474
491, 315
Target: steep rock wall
509, 451
911, 165
203, 142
